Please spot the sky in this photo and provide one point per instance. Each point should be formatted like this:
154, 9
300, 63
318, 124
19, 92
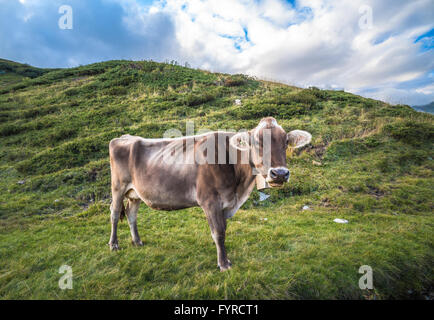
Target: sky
382, 49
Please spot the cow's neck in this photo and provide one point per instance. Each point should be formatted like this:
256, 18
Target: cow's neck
245, 179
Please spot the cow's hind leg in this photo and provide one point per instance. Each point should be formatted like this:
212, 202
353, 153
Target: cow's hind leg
132, 209
116, 208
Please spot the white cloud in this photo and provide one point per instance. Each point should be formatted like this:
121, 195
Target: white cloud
399, 96
325, 48
428, 90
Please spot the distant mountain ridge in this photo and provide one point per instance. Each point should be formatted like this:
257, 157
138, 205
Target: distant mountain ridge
425, 108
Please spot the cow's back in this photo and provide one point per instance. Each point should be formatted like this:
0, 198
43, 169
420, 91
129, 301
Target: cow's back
141, 165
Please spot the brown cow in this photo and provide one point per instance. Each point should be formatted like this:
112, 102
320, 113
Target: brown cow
171, 174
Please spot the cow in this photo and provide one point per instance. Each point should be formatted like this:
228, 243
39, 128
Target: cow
141, 171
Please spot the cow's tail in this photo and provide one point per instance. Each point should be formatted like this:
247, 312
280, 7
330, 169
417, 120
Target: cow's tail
123, 211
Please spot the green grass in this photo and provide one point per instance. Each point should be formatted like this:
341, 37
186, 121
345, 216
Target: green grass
369, 163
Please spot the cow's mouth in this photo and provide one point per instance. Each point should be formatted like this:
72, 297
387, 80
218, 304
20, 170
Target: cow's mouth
275, 184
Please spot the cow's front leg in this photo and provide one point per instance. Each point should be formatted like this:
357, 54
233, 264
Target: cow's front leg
217, 223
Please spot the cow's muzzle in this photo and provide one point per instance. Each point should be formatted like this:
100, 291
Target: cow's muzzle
277, 176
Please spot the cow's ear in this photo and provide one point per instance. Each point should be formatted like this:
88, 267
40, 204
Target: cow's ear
299, 138
240, 141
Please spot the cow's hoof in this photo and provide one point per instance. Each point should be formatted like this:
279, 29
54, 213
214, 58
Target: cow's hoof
137, 243
114, 246
225, 266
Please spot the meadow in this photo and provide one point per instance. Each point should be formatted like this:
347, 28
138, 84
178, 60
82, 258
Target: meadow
369, 162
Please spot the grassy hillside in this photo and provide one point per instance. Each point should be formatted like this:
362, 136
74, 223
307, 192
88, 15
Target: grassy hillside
13, 72
369, 162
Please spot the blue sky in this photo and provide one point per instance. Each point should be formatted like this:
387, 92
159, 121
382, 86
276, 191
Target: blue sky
381, 49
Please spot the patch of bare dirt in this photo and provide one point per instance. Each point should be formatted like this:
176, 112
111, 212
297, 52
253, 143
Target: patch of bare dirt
318, 150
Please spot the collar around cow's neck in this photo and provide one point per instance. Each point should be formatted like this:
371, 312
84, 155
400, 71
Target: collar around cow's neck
261, 183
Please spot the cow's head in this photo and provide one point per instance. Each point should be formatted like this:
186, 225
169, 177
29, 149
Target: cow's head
267, 145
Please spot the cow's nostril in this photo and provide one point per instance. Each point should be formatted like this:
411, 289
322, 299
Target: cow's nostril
279, 174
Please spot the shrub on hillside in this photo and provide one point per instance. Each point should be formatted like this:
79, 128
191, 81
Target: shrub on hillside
403, 161
318, 93
21, 69
351, 147
117, 91
194, 99
414, 133
9, 129
38, 111
60, 134
393, 111
305, 97
72, 92
235, 80
258, 109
